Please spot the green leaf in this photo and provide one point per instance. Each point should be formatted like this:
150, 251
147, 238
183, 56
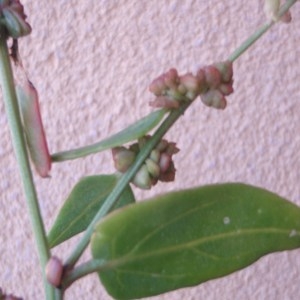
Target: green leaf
185, 238
131, 133
82, 205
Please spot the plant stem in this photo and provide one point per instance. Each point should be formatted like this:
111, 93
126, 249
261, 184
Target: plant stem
14, 121
86, 268
262, 30
124, 181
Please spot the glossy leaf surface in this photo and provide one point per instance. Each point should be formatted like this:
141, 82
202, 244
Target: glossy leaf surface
188, 237
82, 205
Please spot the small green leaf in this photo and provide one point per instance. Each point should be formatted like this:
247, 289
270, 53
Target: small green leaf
188, 237
131, 133
82, 205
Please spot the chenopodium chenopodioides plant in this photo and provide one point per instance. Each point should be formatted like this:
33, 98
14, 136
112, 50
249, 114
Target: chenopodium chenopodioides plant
212, 83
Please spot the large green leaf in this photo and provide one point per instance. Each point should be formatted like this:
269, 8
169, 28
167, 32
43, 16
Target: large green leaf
188, 237
82, 205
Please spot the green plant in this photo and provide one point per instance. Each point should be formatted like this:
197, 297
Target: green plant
142, 249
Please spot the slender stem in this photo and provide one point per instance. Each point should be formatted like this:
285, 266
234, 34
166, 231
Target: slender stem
86, 268
13, 115
262, 30
124, 180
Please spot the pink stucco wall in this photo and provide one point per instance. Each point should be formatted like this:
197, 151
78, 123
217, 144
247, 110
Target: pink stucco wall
92, 62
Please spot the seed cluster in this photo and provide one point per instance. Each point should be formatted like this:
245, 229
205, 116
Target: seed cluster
212, 83
159, 166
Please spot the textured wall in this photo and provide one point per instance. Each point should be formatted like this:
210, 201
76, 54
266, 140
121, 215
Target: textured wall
92, 61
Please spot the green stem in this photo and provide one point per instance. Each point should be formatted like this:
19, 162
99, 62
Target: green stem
14, 121
124, 181
83, 270
262, 30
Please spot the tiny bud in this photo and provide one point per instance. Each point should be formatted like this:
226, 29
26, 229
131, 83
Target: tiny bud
153, 168
142, 178
202, 81
181, 89
162, 145
226, 88
214, 98
271, 9
155, 155
54, 271
171, 78
158, 86
123, 158
191, 95
169, 175
226, 70
286, 18
212, 76
190, 82
174, 94
14, 19
164, 162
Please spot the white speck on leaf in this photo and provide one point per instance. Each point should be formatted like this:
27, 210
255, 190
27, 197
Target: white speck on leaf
226, 220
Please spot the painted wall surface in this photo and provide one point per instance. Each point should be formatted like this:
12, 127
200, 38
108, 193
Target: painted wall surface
92, 62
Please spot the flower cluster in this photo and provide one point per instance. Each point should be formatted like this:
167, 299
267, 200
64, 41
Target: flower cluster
13, 18
159, 166
212, 83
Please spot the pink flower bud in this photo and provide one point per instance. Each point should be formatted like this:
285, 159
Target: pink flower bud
190, 82
286, 18
162, 145
123, 158
212, 76
164, 162
226, 70
54, 271
169, 174
33, 128
214, 98
226, 88
171, 78
158, 86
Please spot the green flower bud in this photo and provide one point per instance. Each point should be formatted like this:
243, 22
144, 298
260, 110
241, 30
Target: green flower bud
214, 98
142, 178
123, 158
153, 168
155, 155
